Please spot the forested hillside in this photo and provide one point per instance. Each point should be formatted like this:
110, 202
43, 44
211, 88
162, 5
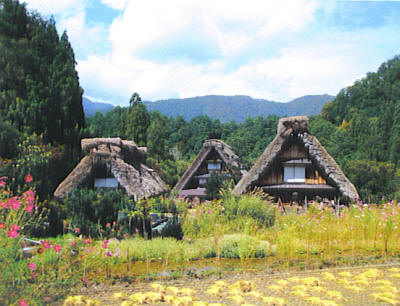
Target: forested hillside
237, 108
91, 108
361, 129
41, 114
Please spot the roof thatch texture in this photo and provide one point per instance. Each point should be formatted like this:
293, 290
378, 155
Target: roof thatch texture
298, 127
230, 159
123, 159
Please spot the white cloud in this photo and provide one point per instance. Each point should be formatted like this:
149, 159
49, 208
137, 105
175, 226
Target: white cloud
84, 39
258, 48
234, 25
47, 7
317, 66
115, 4
71, 16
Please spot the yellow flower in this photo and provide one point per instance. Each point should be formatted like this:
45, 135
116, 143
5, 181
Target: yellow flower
237, 298
345, 274
275, 288
328, 276
119, 296
333, 294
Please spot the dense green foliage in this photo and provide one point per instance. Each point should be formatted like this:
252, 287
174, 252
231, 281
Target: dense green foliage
39, 87
361, 129
96, 211
40, 97
246, 214
135, 121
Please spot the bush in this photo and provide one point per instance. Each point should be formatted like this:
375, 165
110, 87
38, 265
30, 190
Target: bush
97, 212
252, 205
243, 246
229, 215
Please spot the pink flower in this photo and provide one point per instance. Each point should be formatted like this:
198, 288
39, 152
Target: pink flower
87, 241
46, 244
117, 252
13, 203
72, 243
84, 279
108, 224
23, 303
32, 266
13, 232
89, 250
29, 194
30, 197
28, 178
77, 230
57, 248
109, 254
2, 225
47, 299
29, 208
2, 183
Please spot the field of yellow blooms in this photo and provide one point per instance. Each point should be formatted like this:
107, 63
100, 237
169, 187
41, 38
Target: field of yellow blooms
346, 286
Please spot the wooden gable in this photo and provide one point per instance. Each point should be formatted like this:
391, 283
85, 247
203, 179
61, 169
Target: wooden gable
294, 150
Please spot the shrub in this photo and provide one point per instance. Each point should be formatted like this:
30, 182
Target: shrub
97, 212
253, 205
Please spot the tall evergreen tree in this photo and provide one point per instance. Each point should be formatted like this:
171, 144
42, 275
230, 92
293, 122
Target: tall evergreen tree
135, 121
39, 87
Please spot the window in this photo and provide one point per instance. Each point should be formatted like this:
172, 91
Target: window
105, 183
294, 174
202, 181
214, 166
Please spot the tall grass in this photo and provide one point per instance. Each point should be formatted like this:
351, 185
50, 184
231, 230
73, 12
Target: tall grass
359, 230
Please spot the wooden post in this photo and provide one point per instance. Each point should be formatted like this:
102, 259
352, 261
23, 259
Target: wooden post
282, 206
337, 205
305, 203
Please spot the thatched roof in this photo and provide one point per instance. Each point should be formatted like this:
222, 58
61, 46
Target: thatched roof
230, 159
287, 129
123, 159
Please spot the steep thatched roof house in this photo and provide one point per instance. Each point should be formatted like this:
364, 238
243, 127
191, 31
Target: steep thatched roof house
215, 156
113, 163
295, 166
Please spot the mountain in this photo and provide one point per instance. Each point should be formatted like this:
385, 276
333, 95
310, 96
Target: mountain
237, 108
91, 108
224, 108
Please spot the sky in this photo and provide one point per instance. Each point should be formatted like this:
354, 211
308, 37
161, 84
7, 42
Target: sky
276, 50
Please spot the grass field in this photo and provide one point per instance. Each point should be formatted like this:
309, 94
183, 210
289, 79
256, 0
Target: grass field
372, 285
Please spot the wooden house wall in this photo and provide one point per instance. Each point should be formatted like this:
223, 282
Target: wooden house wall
203, 169
275, 174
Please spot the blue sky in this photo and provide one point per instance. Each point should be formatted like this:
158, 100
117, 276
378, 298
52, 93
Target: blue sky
275, 50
